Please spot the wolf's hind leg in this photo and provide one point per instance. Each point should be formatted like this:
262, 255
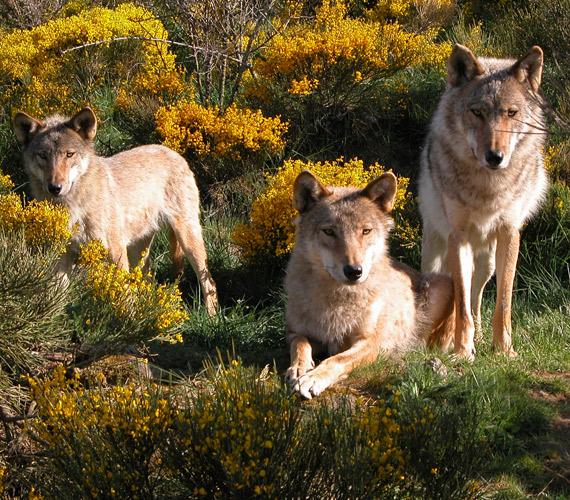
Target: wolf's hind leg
176, 254
189, 236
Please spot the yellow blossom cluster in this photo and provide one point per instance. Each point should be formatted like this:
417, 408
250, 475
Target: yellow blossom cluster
380, 430
94, 428
38, 66
3, 479
239, 435
6, 184
436, 11
190, 127
133, 293
239, 426
305, 86
42, 223
334, 46
556, 161
270, 230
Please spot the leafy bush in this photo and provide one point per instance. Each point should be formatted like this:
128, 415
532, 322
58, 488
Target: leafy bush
99, 441
119, 307
37, 64
32, 306
226, 145
270, 231
321, 75
241, 434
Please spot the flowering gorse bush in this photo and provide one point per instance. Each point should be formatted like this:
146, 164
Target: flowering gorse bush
234, 437
42, 223
236, 433
104, 440
420, 14
270, 230
188, 127
315, 57
132, 296
41, 72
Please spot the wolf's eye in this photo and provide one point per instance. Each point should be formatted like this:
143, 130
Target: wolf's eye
512, 112
366, 231
328, 231
70, 154
476, 112
43, 155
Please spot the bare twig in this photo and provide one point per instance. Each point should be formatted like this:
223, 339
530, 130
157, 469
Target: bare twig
143, 39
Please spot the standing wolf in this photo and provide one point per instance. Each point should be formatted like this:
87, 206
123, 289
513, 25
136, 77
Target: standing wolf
481, 178
122, 200
345, 296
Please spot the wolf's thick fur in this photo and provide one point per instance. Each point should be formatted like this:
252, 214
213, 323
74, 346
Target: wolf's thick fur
345, 296
481, 178
122, 200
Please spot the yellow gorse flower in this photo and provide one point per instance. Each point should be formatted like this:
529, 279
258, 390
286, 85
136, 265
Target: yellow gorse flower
306, 54
133, 292
84, 423
44, 224
270, 230
6, 184
36, 68
190, 127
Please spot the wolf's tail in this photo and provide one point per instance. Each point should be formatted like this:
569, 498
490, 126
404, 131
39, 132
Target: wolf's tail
443, 334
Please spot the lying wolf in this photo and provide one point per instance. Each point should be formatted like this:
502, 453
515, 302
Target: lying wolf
345, 296
122, 200
482, 177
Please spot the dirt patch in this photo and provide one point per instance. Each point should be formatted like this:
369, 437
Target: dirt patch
556, 444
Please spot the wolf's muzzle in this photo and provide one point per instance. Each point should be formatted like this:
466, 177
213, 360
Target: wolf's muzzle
54, 189
494, 157
353, 273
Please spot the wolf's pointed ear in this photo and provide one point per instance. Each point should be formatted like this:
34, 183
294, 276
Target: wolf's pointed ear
307, 191
530, 67
25, 127
382, 191
462, 66
84, 123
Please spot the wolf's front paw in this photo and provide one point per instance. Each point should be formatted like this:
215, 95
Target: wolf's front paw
505, 350
294, 373
311, 384
465, 353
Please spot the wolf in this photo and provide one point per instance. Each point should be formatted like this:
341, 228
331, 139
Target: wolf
481, 178
122, 200
345, 296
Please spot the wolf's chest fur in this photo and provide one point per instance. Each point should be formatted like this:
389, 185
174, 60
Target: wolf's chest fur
331, 313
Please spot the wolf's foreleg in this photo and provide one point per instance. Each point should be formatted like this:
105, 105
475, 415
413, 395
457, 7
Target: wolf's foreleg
460, 254
301, 358
64, 267
434, 249
508, 242
337, 367
483, 270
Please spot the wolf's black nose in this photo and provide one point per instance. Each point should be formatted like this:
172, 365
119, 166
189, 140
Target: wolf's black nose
54, 189
494, 157
352, 272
